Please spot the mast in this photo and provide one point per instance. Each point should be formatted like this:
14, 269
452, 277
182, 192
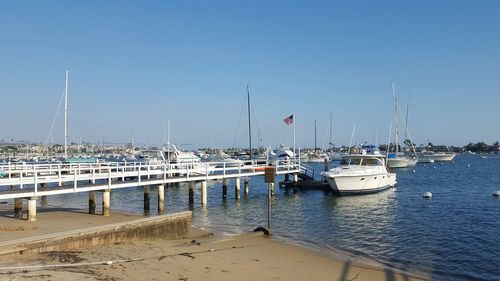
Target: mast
249, 123
406, 121
396, 123
330, 139
315, 146
66, 115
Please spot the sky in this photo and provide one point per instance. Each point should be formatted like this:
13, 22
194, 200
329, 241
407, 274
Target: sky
135, 65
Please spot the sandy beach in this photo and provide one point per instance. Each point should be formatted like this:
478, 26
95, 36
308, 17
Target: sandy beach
204, 256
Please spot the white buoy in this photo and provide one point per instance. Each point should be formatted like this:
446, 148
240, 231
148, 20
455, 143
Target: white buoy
414, 171
427, 195
468, 165
496, 193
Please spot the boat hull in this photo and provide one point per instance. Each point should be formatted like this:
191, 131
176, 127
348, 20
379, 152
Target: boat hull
395, 163
360, 184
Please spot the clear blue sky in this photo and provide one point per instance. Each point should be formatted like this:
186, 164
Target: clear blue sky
136, 64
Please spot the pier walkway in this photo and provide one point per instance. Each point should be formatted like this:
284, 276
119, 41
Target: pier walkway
30, 181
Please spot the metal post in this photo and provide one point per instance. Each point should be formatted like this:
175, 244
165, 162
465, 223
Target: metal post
269, 200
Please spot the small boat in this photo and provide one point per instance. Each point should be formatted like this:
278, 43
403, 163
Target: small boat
360, 173
438, 156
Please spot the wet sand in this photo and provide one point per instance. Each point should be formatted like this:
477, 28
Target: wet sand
203, 256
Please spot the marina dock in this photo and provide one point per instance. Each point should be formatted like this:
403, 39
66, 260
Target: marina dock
38, 181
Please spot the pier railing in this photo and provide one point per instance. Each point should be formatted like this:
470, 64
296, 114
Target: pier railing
47, 179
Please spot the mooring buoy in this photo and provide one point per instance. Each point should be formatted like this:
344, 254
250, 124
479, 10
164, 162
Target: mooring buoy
427, 195
496, 193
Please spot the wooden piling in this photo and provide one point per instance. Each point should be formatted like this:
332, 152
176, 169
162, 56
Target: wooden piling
32, 209
147, 199
237, 188
204, 193
246, 185
191, 192
224, 188
92, 202
161, 199
106, 198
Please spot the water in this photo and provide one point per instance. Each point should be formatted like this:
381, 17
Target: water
453, 236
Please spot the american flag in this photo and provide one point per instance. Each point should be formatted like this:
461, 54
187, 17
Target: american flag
289, 120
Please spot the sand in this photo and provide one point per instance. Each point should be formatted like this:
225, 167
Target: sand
203, 256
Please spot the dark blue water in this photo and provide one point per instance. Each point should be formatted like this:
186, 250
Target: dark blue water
453, 236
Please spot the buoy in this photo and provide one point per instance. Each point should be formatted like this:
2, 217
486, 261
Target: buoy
496, 193
414, 171
427, 195
468, 165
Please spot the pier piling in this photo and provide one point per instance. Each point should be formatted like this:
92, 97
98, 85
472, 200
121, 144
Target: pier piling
147, 199
32, 209
224, 188
245, 190
161, 199
237, 188
18, 208
204, 193
106, 196
92, 201
191, 192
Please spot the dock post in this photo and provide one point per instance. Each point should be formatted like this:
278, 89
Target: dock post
204, 193
92, 199
237, 188
147, 199
191, 192
245, 190
106, 196
287, 177
18, 208
271, 185
44, 197
161, 199
32, 209
295, 179
224, 188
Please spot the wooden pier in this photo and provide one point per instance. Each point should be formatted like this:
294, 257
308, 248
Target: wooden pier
33, 181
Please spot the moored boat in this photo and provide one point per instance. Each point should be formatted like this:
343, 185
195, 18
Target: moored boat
360, 173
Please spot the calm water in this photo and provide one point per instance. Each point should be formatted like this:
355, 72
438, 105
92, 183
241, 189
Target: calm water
453, 236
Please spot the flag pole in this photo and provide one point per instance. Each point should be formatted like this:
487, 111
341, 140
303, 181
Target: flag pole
294, 121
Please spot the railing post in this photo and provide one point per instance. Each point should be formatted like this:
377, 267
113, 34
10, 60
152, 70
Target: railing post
109, 177
21, 179
224, 169
75, 181
35, 181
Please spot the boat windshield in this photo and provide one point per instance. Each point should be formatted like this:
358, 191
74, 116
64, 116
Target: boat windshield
361, 161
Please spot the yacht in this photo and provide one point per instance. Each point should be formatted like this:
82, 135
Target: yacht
437, 156
360, 173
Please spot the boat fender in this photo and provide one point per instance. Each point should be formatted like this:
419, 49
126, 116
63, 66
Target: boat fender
496, 193
427, 195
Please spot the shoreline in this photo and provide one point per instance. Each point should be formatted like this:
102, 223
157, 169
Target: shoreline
204, 255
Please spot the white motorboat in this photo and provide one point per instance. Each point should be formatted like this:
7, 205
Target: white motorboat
318, 157
224, 160
360, 173
438, 156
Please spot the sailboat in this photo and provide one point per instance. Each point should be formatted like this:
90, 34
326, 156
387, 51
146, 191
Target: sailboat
396, 160
317, 156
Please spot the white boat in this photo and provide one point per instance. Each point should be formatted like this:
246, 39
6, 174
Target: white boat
395, 161
224, 160
438, 156
425, 160
318, 157
360, 173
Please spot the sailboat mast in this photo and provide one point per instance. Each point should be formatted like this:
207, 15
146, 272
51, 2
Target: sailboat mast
66, 115
315, 145
396, 123
406, 122
249, 123
330, 139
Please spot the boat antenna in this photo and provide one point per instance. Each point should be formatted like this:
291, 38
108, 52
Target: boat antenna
396, 115
249, 123
66, 115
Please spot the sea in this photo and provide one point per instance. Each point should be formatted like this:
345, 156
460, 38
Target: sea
453, 236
